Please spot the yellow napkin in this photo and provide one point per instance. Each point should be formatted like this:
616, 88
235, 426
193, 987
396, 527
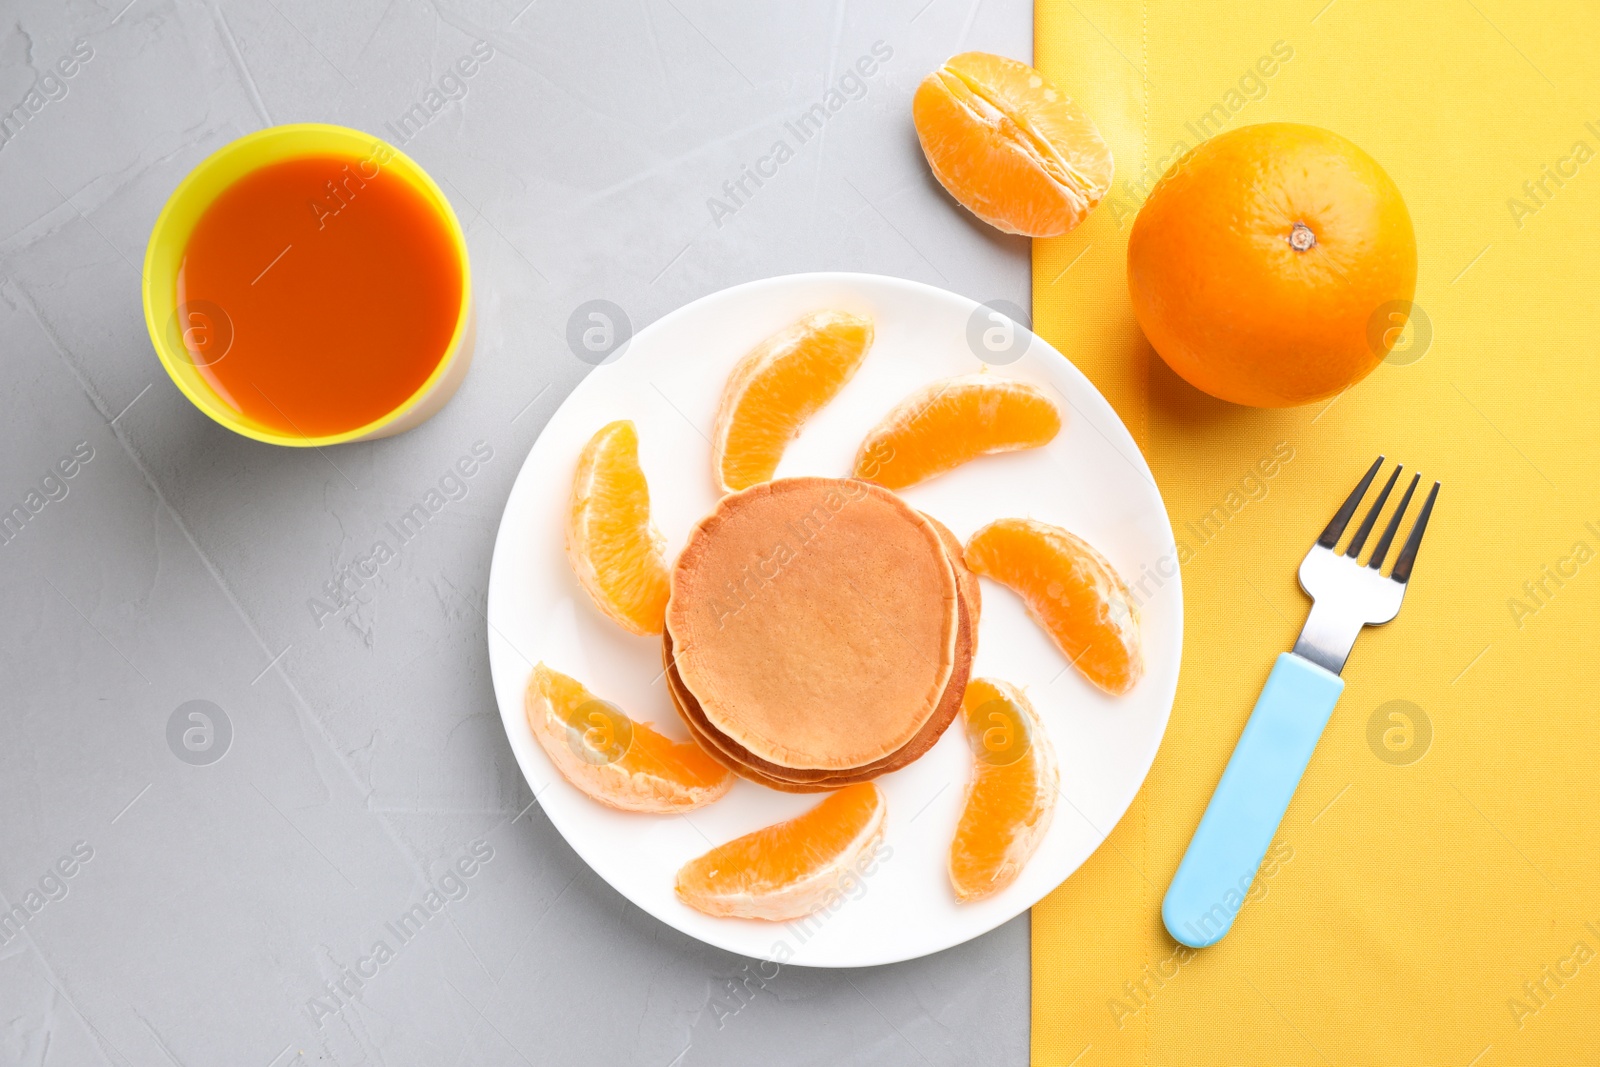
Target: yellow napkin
1432, 897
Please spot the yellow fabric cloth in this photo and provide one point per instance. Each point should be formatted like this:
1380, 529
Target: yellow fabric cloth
1436, 894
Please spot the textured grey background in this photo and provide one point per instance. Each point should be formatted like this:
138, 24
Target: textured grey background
178, 562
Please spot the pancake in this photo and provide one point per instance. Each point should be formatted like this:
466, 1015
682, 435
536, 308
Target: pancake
971, 591
745, 772
742, 762
815, 622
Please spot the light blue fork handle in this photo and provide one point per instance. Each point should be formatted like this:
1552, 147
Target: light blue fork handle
1250, 800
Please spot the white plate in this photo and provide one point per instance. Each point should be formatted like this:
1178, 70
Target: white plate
1091, 479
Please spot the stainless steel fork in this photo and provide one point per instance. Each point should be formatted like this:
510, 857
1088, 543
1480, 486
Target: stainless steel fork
1275, 747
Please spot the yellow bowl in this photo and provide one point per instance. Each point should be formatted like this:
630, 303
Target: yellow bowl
168, 323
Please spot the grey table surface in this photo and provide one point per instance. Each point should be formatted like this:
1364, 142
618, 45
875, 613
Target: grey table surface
166, 906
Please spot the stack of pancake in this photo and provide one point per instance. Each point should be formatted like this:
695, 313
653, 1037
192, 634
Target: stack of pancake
820, 632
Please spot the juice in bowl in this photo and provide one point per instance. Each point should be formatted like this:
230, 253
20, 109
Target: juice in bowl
308, 285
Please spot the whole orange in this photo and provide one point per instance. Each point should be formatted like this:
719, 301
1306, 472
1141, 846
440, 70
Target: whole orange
1261, 260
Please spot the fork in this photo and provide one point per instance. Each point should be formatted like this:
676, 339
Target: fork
1216, 874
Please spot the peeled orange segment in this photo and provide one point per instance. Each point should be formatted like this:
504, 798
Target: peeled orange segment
780, 384
613, 548
1071, 591
792, 868
954, 421
617, 761
1014, 150
1012, 794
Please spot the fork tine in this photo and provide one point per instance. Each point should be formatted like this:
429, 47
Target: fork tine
1371, 520
1408, 554
1330, 536
1382, 548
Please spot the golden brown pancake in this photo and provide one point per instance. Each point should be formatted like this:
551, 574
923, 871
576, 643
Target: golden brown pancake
971, 591
742, 762
815, 622
745, 772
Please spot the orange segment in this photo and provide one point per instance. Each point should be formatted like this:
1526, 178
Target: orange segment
617, 761
1012, 794
953, 421
1071, 591
780, 384
1014, 150
792, 868
612, 547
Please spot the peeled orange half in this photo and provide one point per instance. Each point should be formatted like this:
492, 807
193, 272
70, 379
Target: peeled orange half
612, 546
954, 421
1071, 591
1011, 147
611, 758
793, 868
1012, 795
775, 388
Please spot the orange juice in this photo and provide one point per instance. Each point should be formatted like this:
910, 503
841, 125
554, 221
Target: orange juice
331, 289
